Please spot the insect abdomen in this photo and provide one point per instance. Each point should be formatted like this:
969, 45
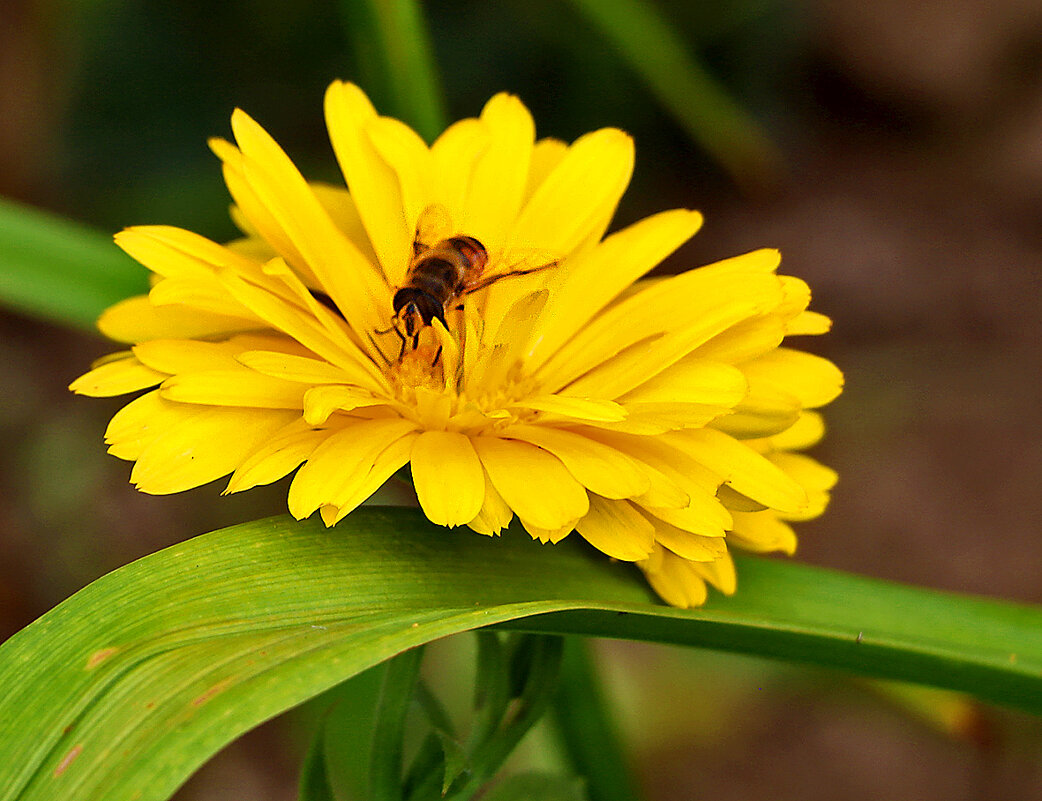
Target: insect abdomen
472, 252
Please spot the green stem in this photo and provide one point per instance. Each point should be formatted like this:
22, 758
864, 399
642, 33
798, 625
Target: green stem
396, 694
314, 782
491, 688
543, 659
586, 729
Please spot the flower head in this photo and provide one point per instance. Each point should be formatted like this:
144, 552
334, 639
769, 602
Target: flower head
459, 309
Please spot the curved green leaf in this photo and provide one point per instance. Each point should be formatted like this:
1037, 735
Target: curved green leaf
60, 270
127, 687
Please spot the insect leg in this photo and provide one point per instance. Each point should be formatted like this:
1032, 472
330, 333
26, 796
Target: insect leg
489, 280
387, 362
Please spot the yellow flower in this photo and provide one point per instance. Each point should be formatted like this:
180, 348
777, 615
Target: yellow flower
657, 419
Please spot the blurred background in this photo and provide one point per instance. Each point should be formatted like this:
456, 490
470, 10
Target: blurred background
905, 187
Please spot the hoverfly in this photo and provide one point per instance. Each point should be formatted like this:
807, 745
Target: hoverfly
442, 272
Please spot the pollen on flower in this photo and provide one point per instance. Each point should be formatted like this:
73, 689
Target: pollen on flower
458, 308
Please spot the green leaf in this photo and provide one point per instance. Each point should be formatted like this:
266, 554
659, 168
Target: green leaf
586, 729
455, 761
126, 688
709, 115
60, 270
536, 664
314, 776
491, 687
385, 766
390, 40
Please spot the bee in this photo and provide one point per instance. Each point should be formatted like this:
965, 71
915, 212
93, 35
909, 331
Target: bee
441, 275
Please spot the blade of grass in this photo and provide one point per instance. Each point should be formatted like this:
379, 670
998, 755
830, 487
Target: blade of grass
396, 696
127, 687
314, 776
59, 270
709, 115
586, 729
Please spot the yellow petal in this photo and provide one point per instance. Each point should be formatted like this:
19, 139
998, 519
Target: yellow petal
617, 529
549, 535
658, 418
808, 322
734, 501
257, 216
693, 380
453, 156
573, 199
507, 344
546, 155
764, 260
137, 320
342, 271
574, 408
241, 387
406, 154
740, 467
341, 463
663, 493
134, 426
745, 341
598, 467
533, 483
321, 401
190, 355
595, 278
813, 380
764, 412
704, 515
203, 448
499, 175
328, 513
301, 368
671, 463
117, 378
278, 457
177, 253
674, 579
343, 211
297, 324
686, 545
815, 478
692, 308
762, 532
721, 573
371, 181
356, 491
806, 431
495, 514
797, 298
290, 287
206, 295
448, 477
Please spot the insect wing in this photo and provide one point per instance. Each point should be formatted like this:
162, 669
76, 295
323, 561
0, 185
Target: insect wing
432, 226
522, 261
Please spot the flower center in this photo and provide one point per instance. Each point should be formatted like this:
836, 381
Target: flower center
478, 394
